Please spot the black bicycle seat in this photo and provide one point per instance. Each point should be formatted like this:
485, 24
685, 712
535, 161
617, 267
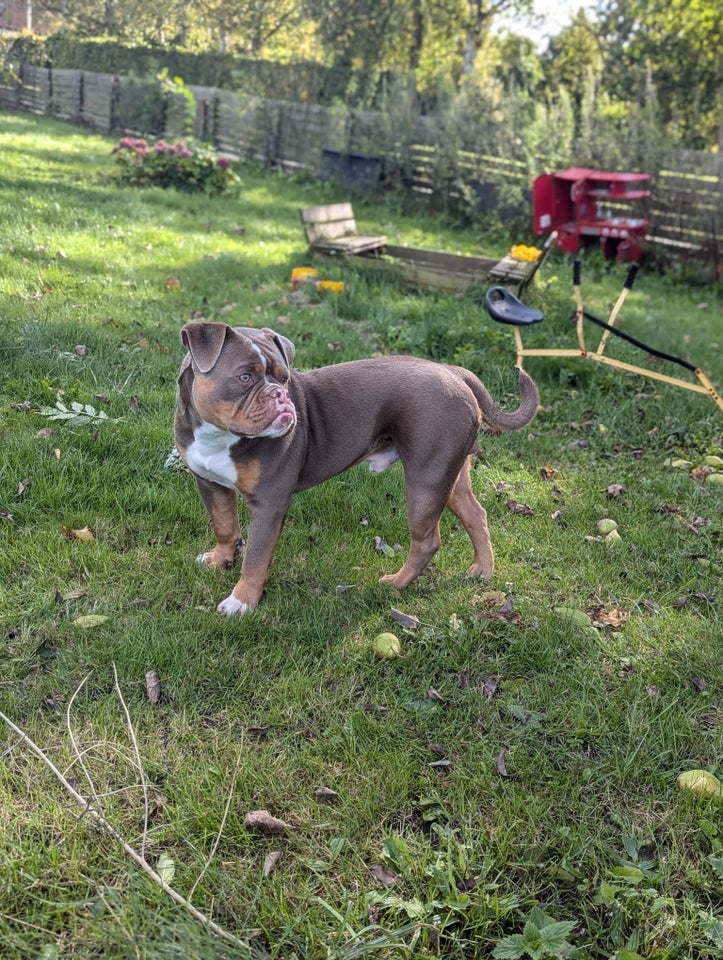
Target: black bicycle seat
504, 307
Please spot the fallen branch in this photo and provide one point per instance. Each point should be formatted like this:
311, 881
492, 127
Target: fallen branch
139, 762
220, 829
100, 819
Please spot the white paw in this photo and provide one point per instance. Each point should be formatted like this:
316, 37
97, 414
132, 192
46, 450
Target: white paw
202, 558
232, 607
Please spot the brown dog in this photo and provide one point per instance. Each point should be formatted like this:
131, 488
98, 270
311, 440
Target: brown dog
246, 423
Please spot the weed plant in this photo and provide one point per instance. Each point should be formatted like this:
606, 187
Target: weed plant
507, 787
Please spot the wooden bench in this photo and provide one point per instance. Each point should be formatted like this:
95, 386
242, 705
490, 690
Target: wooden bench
332, 229
519, 273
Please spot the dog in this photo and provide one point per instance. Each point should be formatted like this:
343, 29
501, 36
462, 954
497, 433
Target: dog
247, 423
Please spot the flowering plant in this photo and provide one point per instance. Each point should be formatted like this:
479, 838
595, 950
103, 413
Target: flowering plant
181, 165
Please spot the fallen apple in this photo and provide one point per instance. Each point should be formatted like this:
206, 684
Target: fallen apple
701, 782
605, 526
386, 646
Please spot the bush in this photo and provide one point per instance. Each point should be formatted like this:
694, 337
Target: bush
187, 167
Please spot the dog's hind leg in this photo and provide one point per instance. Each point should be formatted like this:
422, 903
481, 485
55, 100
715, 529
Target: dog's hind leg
423, 513
463, 504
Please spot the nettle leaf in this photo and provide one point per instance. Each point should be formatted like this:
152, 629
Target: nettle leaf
714, 932
717, 864
532, 936
554, 935
511, 948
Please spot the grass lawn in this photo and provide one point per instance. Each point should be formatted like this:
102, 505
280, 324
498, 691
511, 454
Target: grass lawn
509, 784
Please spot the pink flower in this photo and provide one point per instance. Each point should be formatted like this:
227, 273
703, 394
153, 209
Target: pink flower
222, 162
139, 147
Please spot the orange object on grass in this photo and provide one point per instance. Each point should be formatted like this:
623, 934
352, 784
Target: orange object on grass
302, 275
335, 286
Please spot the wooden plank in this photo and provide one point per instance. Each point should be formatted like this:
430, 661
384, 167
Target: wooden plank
336, 230
357, 243
327, 213
439, 260
419, 274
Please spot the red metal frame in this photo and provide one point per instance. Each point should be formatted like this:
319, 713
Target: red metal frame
572, 202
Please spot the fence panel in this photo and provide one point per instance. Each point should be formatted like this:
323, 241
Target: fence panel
99, 91
686, 208
66, 97
9, 94
35, 87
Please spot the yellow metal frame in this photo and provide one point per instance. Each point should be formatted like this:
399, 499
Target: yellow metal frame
703, 386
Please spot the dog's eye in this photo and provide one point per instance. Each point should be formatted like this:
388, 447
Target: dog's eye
244, 377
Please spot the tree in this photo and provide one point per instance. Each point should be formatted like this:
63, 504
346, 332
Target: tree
478, 19
573, 57
680, 42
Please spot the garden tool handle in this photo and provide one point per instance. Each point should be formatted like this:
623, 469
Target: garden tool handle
632, 273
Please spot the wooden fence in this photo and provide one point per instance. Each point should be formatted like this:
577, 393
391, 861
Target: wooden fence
686, 209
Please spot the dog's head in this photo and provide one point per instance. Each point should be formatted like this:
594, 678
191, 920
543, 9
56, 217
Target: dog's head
240, 378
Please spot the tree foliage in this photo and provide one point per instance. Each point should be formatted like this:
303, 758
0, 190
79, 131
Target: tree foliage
679, 42
626, 60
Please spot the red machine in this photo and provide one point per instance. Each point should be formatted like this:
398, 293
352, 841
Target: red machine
573, 202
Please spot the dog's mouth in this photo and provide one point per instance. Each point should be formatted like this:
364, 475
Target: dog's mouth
284, 419
278, 427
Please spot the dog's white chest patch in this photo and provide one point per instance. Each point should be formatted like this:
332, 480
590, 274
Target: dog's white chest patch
209, 456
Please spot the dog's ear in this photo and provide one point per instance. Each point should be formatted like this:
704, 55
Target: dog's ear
205, 342
283, 344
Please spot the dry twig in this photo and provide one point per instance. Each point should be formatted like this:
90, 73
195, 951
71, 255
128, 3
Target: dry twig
220, 829
139, 762
100, 819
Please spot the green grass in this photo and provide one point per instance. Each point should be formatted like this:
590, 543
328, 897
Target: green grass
590, 725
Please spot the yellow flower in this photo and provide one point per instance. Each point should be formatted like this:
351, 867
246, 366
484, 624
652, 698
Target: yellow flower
522, 252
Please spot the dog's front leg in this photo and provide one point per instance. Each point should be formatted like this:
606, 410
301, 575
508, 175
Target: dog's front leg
222, 505
265, 527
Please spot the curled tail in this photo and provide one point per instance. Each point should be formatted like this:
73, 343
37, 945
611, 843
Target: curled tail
498, 419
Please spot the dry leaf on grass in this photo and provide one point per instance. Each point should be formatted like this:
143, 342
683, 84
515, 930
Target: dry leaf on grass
520, 508
153, 687
405, 619
614, 618
270, 861
383, 875
262, 821
325, 793
84, 535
